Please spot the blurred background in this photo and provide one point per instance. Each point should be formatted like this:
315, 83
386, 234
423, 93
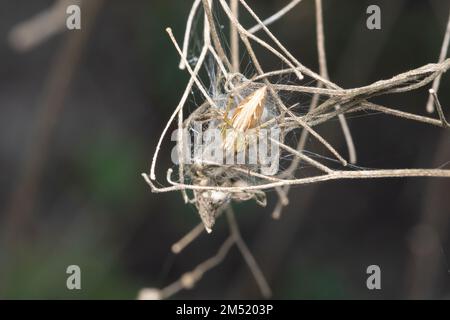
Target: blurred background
80, 115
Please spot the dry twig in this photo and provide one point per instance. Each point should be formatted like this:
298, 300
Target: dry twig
213, 185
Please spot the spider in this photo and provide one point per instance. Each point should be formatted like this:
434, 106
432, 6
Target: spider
246, 116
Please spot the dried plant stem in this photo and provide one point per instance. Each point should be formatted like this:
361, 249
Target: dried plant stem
303, 157
234, 38
187, 34
248, 257
244, 171
214, 34
442, 56
321, 40
244, 37
219, 62
400, 83
188, 238
180, 151
194, 75
29, 34
367, 106
444, 122
329, 101
324, 73
282, 195
189, 279
336, 175
300, 66
291, 5
268, 32
276, 212
186, 93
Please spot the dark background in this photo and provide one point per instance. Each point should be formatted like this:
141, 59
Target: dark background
70, 184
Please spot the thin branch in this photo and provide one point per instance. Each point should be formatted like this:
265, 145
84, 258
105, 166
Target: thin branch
244, 34
221, 178
248, 257
442, 56
194, 75
324, 73
31, 33
189, 279
444, 122
186, 93
303, 157
187, 33
179, 246
234, 37
273, 18
214, 34
219, 62
336, 175
282, 195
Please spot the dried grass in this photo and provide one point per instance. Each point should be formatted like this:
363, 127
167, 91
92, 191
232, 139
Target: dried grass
329, 101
